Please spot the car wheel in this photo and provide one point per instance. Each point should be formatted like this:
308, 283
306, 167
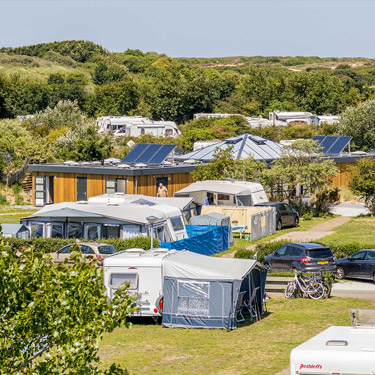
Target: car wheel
296, 221
279, 225
267, 266
340, 274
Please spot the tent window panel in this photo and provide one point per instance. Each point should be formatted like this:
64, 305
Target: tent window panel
193, 298
117, 279
111, 231
131, 230
36, 230
92, 231
57, 230
74, 230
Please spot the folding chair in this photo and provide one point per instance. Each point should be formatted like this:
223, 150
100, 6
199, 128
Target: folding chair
239, 305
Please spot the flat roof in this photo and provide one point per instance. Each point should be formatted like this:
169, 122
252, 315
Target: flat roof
111, 169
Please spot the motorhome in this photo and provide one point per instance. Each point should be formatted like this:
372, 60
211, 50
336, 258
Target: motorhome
288, 117
339, 350
96, 220
136, 126
143, 270
225, 193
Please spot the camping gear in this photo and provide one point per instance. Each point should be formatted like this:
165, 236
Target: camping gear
215, 218
202, 239
202, 291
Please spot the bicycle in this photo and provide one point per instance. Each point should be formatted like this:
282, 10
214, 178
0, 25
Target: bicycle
308, 287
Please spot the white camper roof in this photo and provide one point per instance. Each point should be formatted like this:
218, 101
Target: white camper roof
188, 265
119, 198
137, 258
134, 213
222, 187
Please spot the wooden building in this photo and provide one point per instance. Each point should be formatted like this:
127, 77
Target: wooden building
71, 182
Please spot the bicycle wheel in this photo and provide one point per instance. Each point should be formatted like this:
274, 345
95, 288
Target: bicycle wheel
316, 291
289, 290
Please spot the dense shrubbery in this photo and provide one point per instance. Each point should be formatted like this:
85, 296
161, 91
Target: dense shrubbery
50, 245
264, 249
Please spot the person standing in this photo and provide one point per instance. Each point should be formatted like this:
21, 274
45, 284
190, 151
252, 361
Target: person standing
162, 191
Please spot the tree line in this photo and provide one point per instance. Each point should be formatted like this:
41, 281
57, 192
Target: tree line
154, 85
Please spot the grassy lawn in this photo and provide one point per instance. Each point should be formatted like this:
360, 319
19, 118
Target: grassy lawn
14, 216
358, 230
261, 348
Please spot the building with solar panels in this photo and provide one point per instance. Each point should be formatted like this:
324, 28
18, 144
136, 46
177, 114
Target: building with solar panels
150, 167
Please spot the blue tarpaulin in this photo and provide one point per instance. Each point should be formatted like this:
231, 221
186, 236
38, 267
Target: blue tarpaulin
203, 239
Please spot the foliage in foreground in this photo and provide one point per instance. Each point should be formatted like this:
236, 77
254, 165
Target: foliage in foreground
52, 318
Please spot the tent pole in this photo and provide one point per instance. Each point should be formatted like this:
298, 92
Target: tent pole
231, 309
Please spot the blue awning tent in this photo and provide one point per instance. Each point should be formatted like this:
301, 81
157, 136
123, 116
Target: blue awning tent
202, 291
202, 239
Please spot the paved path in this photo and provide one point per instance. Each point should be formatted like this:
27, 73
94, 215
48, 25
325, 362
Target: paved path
349, 209
314, 233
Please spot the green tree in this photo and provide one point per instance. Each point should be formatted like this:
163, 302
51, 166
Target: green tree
300, 164
359, 123
362, 182
53, 317
220, 167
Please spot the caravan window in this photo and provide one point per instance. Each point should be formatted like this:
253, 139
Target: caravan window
177, 223
223, 197
168, 131
117, 279
193, 298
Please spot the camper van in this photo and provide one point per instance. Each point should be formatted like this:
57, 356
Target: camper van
225, 193
135, 126
338, 350
143, 270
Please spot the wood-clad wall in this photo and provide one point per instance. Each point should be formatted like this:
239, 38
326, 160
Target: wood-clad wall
342, 179
65, 184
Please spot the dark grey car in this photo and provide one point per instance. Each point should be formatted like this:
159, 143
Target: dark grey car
305, 257
360, 265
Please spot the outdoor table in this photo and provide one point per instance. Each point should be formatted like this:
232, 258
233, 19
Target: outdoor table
239, 228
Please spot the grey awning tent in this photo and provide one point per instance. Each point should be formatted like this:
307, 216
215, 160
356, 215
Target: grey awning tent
215, 218
202, 291
64, 212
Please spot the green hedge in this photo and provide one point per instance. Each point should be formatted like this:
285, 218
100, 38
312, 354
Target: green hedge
340, 251
50, 245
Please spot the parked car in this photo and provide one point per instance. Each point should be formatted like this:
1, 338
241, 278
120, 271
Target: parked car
286, 216
100, 250
305, 257
360, 265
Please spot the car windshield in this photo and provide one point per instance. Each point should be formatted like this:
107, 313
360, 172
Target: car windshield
108, 249
320, 253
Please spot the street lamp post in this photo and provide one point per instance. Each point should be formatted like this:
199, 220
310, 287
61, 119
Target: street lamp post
152, 220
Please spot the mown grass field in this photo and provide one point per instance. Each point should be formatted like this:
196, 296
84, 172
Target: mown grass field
13, 215
261, 348
359, 230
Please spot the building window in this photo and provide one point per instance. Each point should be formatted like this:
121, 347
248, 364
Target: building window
115, 186
39, 190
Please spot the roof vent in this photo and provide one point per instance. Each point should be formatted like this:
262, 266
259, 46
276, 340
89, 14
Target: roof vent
233, 141
190, 161
123, 166
359, 153
140, 165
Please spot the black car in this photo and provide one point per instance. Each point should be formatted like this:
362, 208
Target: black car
286, 216
305, 257
360, 265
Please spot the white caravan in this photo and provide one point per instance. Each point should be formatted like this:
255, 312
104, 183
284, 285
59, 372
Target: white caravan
225, 193
144, 271
338, 350
136, 126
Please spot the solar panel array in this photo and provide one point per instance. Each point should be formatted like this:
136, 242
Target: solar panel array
331, 144
148, 153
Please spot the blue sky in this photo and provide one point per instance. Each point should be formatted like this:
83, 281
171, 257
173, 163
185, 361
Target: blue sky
198, 28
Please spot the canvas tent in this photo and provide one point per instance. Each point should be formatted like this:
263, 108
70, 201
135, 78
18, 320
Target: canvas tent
202, 291
214, 219
14, 230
